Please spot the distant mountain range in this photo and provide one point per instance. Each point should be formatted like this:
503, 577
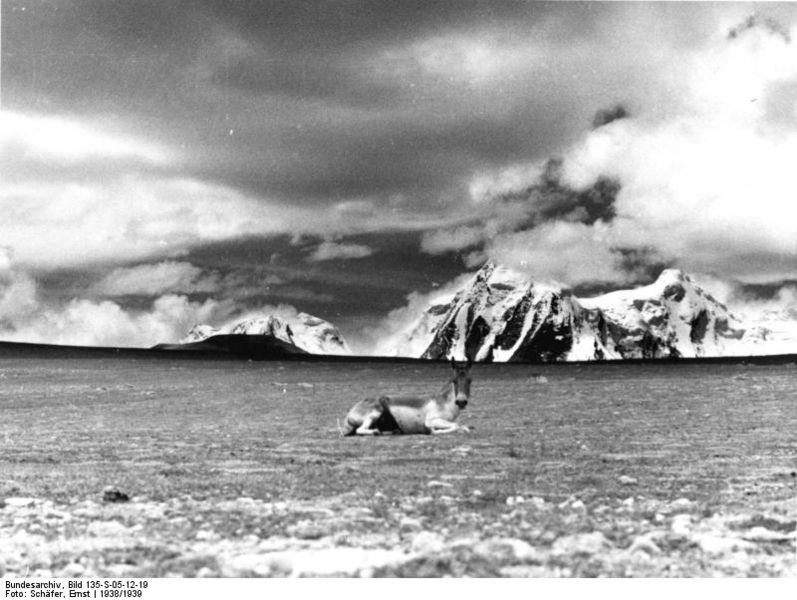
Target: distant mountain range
304, 333
503, 316
500, 315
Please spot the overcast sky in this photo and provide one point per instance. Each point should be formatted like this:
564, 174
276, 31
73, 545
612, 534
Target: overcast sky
166, 162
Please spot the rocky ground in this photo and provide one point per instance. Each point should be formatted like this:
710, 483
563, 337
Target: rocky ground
237, 469
437, 534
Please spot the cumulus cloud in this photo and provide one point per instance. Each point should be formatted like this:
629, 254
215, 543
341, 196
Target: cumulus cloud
17, 290
520, 220
73, 195
156, 279
770, 311
27, 316
89, 323
339, 251
708, 188
454, 239
65, 140
390, 336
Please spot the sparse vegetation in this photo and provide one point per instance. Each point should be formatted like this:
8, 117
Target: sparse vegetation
632, 470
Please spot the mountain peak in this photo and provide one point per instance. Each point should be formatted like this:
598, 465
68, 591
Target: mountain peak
485, 272
668, 276
503, 315
307, 332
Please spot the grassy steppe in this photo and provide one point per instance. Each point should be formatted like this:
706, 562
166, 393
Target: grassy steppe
237, 468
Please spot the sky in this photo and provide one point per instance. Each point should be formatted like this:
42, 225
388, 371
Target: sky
164, 163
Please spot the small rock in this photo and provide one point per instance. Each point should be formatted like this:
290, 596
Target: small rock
113, 494
582, 543
567, 503
524, 571
308, 530
508, 550
512, 500
410, 524
328, 562
428, 542
626, 480
681, 524
578, 505
205, 535
762, 534
717, 545
681, 505
259, 565
439, 484
204, 572
20, 502
110, 529
357, 512
537, 502
645, 544
547, 537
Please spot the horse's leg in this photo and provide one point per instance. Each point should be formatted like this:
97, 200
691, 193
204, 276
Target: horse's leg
362, 417
368, 426
438, 425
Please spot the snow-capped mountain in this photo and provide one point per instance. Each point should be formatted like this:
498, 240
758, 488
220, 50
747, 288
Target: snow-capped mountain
304, 331
503, 316
671, 317
200, 332
773, 332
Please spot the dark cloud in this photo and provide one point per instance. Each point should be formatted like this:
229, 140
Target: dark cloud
763, 291
757, 21
550, 199
396, 104
284, 97
643, 263
269, 270
607, 115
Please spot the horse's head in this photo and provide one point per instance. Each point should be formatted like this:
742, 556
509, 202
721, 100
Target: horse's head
461, 382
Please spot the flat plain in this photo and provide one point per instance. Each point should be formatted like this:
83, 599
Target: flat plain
236, 468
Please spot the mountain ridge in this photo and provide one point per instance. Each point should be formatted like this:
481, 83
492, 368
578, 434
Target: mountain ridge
501, 315
303, 331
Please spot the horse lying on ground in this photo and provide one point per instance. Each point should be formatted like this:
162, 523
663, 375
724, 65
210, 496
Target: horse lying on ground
388, 414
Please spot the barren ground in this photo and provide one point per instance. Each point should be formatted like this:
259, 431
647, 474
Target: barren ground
237, 469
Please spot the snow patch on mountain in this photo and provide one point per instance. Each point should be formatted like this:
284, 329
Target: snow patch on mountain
199, 332
501, 315
310, 333
671, 317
